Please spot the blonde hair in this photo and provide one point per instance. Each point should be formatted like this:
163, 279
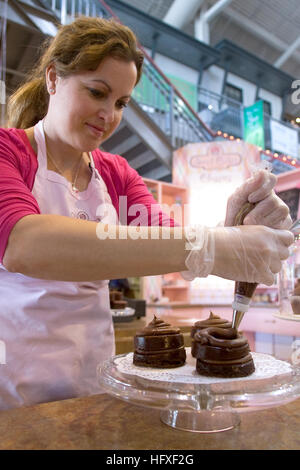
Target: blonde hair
78, 46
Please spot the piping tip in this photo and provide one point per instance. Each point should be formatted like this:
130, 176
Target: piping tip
237, 318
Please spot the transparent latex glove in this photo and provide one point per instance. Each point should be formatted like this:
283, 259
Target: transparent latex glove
270, 210
252, 253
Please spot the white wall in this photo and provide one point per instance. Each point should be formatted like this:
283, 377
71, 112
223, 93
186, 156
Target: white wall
212, 79
170, 66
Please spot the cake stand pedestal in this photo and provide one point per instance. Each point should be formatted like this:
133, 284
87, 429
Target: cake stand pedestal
191, 402
204, 421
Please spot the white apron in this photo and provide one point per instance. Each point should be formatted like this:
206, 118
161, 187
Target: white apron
55, 332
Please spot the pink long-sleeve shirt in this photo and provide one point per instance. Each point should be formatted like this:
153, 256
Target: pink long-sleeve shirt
18, 166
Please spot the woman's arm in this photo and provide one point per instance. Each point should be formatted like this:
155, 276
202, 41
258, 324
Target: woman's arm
56, 247
61, 248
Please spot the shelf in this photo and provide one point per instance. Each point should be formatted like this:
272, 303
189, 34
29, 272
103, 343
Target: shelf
173, 199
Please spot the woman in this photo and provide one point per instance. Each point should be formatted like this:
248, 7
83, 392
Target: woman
60, 237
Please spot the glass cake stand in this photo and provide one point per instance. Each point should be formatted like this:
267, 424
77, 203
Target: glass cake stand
196, 403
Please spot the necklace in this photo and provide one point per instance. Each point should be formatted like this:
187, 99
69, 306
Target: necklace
76, 190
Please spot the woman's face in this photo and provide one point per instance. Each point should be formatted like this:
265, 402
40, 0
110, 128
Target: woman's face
87, 107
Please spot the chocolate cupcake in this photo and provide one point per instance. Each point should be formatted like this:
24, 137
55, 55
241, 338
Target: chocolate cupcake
222, 352
212, 320
159, 345
295, 302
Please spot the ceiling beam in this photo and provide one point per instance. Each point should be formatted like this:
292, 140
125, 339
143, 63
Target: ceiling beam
201, 22
287, 54
215, 10
180, 13
258, 31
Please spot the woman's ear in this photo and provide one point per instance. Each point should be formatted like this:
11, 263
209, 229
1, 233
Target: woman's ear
51, 79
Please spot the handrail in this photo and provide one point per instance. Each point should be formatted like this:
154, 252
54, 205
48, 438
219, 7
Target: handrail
236, 104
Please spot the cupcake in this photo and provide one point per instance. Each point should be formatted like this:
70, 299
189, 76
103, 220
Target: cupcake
222, 352
159, 345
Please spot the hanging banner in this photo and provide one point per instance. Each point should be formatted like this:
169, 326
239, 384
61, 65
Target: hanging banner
284, 139
254, 124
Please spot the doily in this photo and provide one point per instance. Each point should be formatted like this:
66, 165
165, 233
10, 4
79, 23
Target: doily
266, 367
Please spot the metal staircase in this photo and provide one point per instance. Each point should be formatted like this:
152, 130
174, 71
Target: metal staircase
158, 119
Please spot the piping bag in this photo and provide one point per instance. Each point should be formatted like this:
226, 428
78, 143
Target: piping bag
243, 291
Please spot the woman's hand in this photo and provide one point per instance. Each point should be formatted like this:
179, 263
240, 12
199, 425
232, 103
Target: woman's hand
250, 253
270, 210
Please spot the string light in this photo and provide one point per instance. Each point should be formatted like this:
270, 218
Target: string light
284, 158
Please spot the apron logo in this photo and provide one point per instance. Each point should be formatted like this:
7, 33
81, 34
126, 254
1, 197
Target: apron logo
2, 352
82, 215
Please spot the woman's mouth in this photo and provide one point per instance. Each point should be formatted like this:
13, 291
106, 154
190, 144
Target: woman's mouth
98, 131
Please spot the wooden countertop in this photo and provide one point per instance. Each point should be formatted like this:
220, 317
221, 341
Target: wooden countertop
106, 423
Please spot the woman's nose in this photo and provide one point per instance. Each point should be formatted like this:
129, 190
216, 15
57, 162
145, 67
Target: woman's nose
107, 112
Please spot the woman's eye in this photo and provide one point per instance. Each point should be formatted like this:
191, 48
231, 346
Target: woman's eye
96, 93
122, 104
100, 94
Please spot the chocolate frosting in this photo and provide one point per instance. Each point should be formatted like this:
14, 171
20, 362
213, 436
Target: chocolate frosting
158, 327
212, 320
220, 337
222, 352
159, 345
